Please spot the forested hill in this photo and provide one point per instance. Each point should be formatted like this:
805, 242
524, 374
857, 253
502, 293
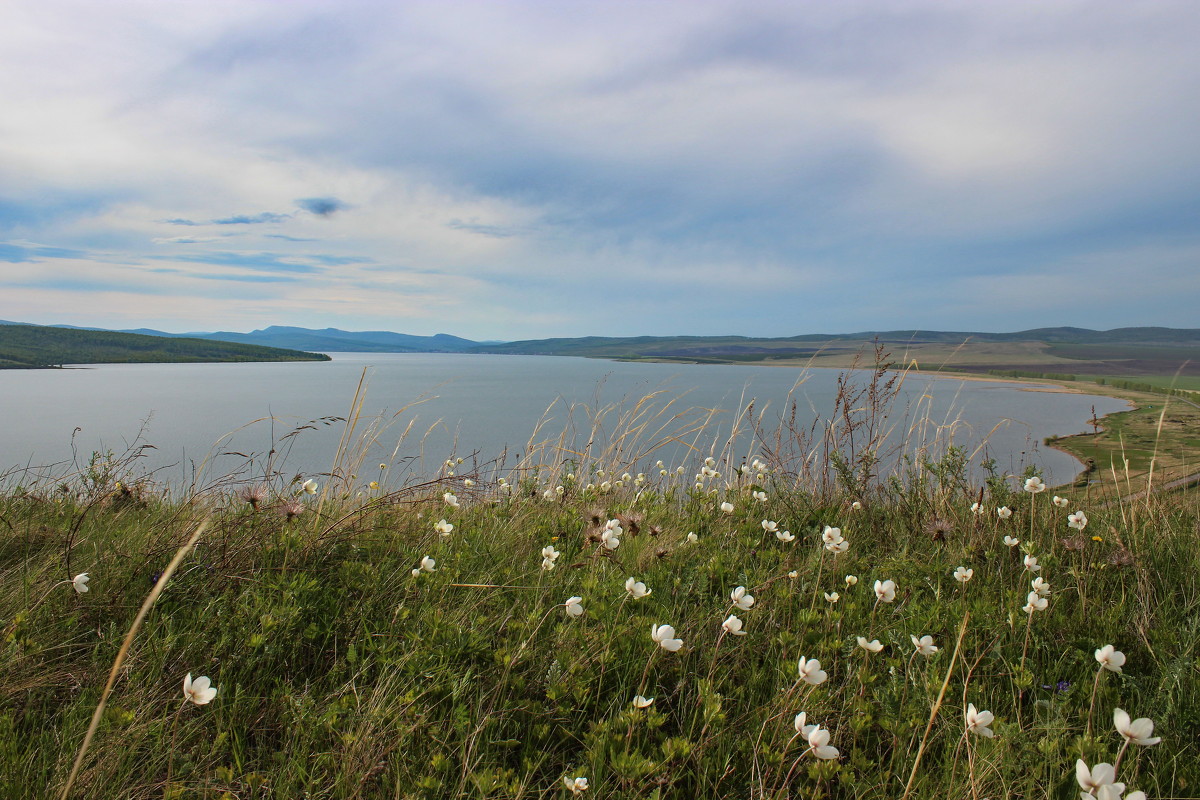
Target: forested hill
34, 346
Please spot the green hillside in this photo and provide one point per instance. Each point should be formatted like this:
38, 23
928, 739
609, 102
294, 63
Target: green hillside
1123, 351
37, 346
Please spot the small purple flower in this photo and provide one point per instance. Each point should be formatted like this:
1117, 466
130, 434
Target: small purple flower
1063, 686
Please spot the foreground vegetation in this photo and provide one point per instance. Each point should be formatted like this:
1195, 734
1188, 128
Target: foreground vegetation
488, 632
36, 346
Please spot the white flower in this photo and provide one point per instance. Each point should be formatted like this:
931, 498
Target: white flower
832, 597
727, 507
885, 591
1078, 520
665, 636
811, 672
818, 743
963, 574
857, 506
733, 625
759, 496
710, 462
692, 538
309, 486
606, 487
977, 509
741, 598
831, 535
837, 548
80, 583
978, 721
626, 477
576, 785
450, 499
1101, 775
428, 564
924, 645
1031, 563
1136, 732
442, 527
794, 574
467, 482
785, 536
872, 646
1034, 485
801, 724
1110, 658
770, 525
549, 553
1004, 512
547, 564
199, 691
1034, 602
642, 702
549, 495
637, 590
611, 539
1061, 502
1011, 541
574, 606
851, 580
1041, 586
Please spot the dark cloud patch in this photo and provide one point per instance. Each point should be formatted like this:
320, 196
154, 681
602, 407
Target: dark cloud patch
338, 261
261, 262
321, 206
257, 219
236, 219
287, 238
17, 254
245, 278
496, 231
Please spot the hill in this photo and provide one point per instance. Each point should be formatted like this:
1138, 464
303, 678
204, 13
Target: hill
34, 346
334, 340
1122, 351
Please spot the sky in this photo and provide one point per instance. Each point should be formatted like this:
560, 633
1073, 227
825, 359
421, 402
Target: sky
518, 169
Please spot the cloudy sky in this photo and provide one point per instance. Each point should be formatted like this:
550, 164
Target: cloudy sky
519, 169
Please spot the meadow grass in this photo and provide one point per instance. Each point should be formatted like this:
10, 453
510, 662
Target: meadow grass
343, 669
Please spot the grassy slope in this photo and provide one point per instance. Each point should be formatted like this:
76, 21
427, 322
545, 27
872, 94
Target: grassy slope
37, 346
1134, 347
341, 675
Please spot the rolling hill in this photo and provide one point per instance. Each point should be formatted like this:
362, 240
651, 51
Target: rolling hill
39, 346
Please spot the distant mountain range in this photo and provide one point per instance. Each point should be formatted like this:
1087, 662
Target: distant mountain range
332, 340
1138, 350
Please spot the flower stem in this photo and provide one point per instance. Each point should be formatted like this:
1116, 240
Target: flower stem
1025, 646
1092, 705
1120, 755
933, 711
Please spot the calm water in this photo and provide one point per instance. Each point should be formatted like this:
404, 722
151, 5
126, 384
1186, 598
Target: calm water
484, 403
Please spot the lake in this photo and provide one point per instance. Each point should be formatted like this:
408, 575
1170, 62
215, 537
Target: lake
207, 419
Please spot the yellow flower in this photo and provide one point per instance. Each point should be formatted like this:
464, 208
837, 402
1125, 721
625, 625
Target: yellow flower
1097, 539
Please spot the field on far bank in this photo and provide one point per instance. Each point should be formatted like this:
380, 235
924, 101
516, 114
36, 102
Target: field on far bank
1118, 452
715, 629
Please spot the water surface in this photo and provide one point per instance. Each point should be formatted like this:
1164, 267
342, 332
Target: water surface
464, 404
